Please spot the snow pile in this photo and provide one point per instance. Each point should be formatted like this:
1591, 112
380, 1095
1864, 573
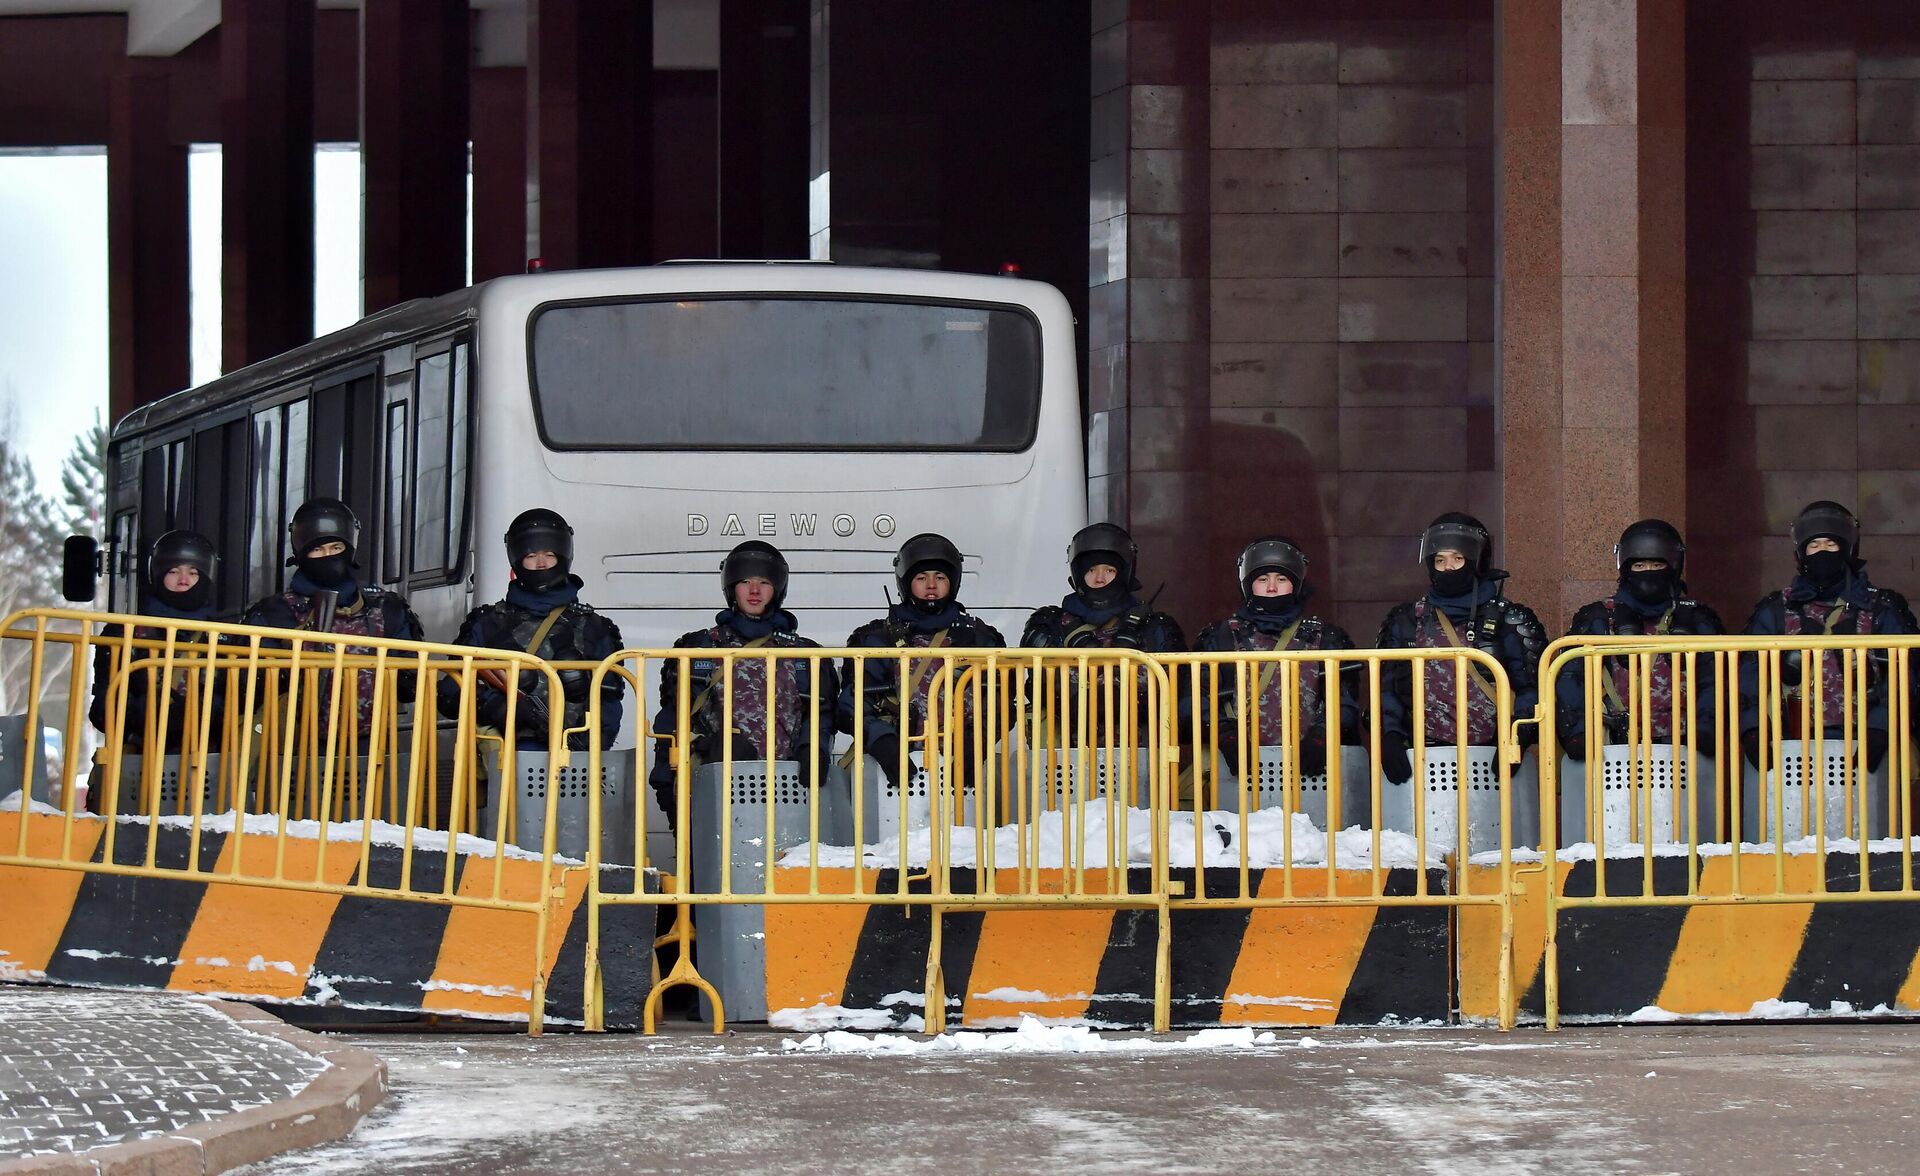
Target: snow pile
1270, 835
1033, 1036
10, 803
1584, 851
268, 825
1770, 1009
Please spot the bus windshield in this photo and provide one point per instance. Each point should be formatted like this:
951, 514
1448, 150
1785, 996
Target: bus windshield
768, 372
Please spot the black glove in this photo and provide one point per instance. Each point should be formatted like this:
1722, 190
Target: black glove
1574, 746
1876, 748
885, 750
577, 741
1396, 762
489, 708
1313, 753
1528, 735
574, 684
743, 749
1790, 669
1750, 746
533, 716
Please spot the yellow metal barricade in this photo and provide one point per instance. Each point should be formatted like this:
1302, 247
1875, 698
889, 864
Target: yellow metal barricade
277, 739
1247, 811
1036, 779
1725, 771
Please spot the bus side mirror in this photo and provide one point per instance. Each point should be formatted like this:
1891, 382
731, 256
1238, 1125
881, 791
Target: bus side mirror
79, 567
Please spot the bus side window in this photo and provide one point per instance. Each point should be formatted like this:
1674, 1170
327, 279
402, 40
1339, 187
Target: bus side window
345, 448
432, 460
266, 509
219, 478
277, 488
391, 567
440, 396
163, 506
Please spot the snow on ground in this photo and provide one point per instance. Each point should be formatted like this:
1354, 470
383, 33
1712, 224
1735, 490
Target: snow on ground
1770, 1009
1033, 1035
1270, 839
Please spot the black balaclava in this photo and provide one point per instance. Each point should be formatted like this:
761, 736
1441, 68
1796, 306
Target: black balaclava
1827, 571
1272, 554
540, 530
1103, 543
320, 521
172, 550
1465, 534
1651, 539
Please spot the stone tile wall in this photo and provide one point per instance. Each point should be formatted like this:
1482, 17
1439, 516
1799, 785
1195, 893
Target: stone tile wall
1804, 247
1292, 293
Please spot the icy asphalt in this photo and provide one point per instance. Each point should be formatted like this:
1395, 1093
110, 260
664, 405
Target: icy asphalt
1833, 1098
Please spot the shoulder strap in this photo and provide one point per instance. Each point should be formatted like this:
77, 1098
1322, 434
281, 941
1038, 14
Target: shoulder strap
927, 667
546, 627
713, 683
1473, 671
1267, 671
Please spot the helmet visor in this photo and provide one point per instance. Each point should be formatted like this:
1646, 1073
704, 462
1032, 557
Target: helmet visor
1830, 521
541, 538
1273, 555
1470, 542
1641, 545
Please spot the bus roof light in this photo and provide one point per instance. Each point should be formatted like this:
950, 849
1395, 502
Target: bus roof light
536, 265
1009, 269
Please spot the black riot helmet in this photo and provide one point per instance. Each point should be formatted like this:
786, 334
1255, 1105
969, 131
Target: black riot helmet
540, 529
1650, 539
1103, 543
1463, 533
177, 548
322, 520
1825, 520
1272, 554
927, 552
750, 559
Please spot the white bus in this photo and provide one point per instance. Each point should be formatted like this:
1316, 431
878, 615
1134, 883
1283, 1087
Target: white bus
669, 413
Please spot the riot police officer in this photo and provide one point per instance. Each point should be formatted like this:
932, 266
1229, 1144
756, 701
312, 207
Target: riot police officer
753, 581
1103, 608
1274, 591
1830, 595
543, 615
325, 596
1463, 607
929, 615
1651, 599
177, 584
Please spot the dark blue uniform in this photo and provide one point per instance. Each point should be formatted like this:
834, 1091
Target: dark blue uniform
578, 634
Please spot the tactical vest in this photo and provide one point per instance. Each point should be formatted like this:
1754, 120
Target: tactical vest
1823, 618
1310, 634
884, 703
368, 619
1622, 699
1483, 714
749, 687
566, 641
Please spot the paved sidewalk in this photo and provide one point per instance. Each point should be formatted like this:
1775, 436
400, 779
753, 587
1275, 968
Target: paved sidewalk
1746, 1100
99, 1079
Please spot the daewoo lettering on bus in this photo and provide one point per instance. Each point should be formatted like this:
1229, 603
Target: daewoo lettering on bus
668, 412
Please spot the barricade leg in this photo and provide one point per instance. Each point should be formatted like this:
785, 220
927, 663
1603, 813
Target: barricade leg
683, 973
935, 1018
